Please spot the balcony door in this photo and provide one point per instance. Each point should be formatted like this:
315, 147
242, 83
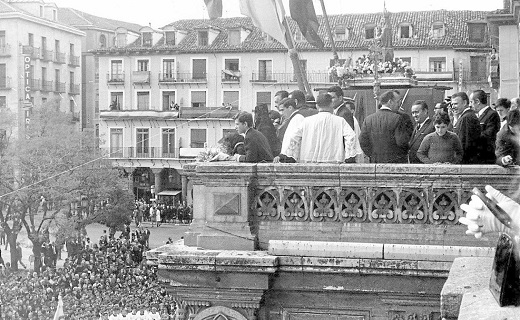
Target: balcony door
143, 143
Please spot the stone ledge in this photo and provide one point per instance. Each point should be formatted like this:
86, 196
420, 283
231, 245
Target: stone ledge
325, 249
466, 275
434, 253
482, 305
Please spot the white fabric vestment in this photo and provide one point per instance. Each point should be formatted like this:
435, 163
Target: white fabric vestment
324, 138
293, 126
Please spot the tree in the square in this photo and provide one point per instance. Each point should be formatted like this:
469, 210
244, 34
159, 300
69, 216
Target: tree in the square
56, 177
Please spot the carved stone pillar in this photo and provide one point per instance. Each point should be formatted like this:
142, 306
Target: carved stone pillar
221, 221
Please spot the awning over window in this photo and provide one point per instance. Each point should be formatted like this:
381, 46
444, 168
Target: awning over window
169, 192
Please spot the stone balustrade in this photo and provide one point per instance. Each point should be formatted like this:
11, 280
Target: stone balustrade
379, 203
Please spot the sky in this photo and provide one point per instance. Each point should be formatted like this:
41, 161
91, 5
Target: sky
159, 13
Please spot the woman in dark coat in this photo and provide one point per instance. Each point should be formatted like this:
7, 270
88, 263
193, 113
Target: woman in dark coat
264, 124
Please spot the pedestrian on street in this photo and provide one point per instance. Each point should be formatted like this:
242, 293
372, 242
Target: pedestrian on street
19, 255
3, 238
158, 216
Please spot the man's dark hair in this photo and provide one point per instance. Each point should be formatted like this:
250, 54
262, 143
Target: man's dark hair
461, 95
481, 96
503, 102
244, 117
421, 103
513, 118
289, 102
324, 100
387, 96
337, 90
282, 93
298, 95
441, 118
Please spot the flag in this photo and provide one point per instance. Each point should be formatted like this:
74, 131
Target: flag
302, 11
214, 8
59, 309
267, 15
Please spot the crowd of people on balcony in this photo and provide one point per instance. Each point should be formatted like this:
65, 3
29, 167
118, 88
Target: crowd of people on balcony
460, 130
105, 280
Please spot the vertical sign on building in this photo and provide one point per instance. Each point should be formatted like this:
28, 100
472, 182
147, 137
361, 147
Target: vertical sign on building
27, 72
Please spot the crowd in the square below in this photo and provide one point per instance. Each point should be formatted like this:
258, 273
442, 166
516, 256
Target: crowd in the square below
460, 129
105, 280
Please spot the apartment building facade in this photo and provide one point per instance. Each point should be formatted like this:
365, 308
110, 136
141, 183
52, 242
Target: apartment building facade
169, 93
39, 60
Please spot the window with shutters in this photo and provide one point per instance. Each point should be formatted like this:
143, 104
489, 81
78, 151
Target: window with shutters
142, 142
438, 30
168, 69
230, 98
298, 36
142, 65
234, 37
168, 100
143, 100
198, 138
116, 100
263, 98
437, 64
405, 31
168, 142
340, 33
147, 39
199, 68
116, 70
116, 142
477, 32
202, 37
169, 38
198, 99
370, 31
265, 70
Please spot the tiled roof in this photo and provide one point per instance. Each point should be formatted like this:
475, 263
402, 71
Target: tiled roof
78, 18
455, 22
5, 7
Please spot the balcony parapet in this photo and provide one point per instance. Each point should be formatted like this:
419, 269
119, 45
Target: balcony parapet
138, 114
376, 203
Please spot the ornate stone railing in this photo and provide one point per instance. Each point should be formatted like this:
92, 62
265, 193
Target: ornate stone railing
377, 203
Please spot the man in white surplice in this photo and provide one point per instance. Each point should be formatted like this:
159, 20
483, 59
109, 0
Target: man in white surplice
324, 137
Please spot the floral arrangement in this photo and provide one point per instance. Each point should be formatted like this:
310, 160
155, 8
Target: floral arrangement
364, 66
208, 154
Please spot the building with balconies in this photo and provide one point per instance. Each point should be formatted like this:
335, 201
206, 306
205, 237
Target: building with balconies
100, 33
34, 48
211, 69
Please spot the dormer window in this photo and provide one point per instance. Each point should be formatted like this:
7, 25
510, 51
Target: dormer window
121, 40
341, 33
147, 39
370, 31
169, 38
102, 41
405, 31
477, 32
438, 31
298, 36
203, 38
266, 37
234, 37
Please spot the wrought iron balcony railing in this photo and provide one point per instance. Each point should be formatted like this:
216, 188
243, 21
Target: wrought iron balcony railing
31, 51
141, 152
47, 85
74, 61
47, 55
60, 87
117, 78
60, 57
74, 88
141, 77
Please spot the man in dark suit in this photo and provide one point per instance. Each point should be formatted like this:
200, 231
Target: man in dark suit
255, 143
489, 125
340, 107
423, 126
467, 127
385, 134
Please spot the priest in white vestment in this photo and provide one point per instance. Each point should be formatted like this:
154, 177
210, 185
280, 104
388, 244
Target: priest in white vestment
324, 137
